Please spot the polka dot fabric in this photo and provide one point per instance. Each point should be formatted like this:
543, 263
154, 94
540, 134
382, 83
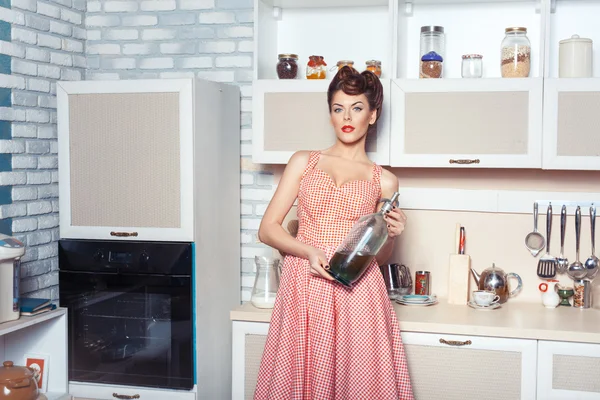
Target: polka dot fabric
326, 341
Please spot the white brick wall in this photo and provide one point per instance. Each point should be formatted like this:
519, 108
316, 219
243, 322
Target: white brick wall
47, 44
209, 39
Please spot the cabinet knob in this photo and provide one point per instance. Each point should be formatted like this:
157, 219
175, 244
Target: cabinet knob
464, 161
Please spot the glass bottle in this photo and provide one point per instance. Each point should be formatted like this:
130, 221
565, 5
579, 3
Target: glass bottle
266, 282
287, 68
472, 66
316, 68
374, 66
432, 39
516, 53
431, 65
361, 245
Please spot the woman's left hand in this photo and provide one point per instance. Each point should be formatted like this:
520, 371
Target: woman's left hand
396, 220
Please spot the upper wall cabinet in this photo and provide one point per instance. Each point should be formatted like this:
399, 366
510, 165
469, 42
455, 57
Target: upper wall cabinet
572, 106
292, 114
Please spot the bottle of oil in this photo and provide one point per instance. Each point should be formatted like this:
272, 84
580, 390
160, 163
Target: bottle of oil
361, 245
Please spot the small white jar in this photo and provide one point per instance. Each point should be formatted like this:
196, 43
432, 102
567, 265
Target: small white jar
575, 57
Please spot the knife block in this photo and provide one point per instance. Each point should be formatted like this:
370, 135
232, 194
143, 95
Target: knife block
459, 279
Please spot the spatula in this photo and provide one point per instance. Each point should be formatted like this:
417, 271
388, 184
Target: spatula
547, 264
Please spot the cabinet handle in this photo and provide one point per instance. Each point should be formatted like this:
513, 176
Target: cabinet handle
123, 234
455, 342
474, 161
124, 396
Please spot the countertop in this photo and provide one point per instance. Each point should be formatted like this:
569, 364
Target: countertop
512, 320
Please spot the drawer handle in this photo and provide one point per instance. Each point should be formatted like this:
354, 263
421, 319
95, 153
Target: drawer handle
455, 342
475, 161
124, 396
123, 234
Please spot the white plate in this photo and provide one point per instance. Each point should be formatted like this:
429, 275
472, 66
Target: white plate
492, 306
416, 299
429, 303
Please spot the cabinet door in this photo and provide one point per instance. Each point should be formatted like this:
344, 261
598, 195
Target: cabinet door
568, 371
474, 123
452, 367
571, 121
126, 159
292, 115
249, 339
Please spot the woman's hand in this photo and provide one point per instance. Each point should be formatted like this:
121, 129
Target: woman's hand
318, 263
396, 220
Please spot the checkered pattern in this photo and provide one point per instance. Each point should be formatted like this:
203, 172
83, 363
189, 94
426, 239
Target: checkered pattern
325, 341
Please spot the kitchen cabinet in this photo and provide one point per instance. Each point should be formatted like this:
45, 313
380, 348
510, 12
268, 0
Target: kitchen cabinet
568, 371
249, 339
291, 115
497, 125
470, 367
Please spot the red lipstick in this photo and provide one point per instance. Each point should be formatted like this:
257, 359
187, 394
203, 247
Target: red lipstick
347, 128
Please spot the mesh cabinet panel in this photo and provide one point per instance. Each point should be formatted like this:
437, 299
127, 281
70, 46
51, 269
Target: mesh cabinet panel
576, 373
255, 346
578, 122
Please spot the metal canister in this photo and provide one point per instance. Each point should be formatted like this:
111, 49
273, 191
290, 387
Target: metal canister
582, 298
423, 282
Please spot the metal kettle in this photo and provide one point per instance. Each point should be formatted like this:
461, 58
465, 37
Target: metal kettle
495, 280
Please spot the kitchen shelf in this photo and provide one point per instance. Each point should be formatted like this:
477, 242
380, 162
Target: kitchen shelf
470, 28
567, 18
324, 3
24, 322
343, 32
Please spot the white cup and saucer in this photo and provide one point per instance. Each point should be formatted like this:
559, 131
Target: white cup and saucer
484, 300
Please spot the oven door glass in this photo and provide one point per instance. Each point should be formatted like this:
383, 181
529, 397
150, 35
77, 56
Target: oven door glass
129, 329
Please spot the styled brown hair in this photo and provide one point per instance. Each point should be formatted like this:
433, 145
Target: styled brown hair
354, 83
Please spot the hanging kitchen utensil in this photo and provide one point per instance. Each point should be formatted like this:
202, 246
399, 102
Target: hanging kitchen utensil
562, 263
534, 241
591, 264
547, 264
577, 270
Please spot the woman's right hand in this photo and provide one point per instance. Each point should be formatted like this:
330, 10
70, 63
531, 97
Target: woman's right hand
318, 263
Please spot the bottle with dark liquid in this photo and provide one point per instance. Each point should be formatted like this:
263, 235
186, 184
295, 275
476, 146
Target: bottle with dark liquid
361, 245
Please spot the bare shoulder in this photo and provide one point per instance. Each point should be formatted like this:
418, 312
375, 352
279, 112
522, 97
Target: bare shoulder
389, 183
297, 163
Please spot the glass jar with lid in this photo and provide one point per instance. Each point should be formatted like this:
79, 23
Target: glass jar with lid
432, 39
316, 68
431, 65
374, 66
342, 63
472, 66
516, 53
287, 68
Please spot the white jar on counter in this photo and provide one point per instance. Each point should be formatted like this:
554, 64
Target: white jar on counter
575, 58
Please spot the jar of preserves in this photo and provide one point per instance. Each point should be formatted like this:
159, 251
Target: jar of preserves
516, 53
432, 39
342, 63
374, 66
472, 66
287, 68
431, 65
316, 68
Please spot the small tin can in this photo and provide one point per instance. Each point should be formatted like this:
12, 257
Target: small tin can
582, 297
423, 283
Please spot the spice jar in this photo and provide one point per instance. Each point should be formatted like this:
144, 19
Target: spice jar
287, 68
374, 66
516, 53
316, 68
342, 63
472, 66
432, 39
575, 57
431, 65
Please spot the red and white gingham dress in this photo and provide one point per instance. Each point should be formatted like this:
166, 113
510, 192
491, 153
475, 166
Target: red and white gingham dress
326, 341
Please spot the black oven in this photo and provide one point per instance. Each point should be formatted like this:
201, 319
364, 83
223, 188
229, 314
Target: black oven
130, 312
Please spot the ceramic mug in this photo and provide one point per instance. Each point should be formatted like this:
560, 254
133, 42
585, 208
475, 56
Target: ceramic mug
485, 298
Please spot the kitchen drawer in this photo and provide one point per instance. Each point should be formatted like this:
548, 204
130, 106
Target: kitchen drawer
102, 392
453, 367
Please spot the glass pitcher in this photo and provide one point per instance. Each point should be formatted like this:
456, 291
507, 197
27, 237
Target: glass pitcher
266, 282
361, 245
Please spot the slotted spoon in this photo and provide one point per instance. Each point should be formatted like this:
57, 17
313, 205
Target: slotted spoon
547, 264
534, 241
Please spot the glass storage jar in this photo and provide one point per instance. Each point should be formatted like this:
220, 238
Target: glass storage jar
342, 63
472, 66
516, 53
431, 65
287, 68
374, 66
432, 39
266, 282
315, 68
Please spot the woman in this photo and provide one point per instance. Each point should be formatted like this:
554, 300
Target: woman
326, 341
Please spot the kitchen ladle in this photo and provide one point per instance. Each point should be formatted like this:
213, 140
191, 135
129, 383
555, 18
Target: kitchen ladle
577, 270
591, 264
562, 262
534, 241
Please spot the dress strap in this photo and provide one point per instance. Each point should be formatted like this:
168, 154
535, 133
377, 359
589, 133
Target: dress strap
377, 174
313, 159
